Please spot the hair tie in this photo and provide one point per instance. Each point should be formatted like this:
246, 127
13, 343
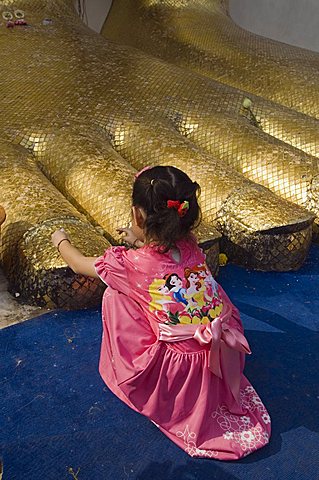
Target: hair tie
181, 207
141, 171
152, 181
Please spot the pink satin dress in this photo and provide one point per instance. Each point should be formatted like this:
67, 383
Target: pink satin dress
173, 349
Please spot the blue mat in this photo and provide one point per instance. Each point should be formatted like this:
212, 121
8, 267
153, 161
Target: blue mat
59, 421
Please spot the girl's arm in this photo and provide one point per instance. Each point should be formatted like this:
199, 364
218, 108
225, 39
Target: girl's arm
78, 262
72, 256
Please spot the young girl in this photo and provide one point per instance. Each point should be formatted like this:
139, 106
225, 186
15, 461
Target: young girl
182, 365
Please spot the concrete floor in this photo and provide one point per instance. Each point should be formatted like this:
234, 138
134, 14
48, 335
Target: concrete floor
10, 310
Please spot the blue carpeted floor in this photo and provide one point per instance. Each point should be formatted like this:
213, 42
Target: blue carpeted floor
58, 421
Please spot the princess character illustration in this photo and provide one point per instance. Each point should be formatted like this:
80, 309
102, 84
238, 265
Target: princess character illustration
193, 299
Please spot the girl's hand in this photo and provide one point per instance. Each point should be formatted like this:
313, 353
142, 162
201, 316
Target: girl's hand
129, 236
78, 262
57, 236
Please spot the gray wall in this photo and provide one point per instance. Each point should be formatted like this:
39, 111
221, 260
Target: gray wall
96, 11
290, 21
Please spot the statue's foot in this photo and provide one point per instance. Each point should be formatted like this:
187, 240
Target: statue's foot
237, 130
201, 36
90, 114
260, 229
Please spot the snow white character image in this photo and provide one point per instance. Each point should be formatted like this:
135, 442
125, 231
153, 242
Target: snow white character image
175, 286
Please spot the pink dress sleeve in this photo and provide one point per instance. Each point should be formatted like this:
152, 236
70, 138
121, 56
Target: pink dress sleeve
111, 269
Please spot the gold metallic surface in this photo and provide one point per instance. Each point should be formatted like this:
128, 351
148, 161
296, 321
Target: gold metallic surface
86, 114
35, 209
2, 215
200, 35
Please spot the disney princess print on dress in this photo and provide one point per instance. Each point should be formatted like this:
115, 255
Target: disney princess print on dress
192, 299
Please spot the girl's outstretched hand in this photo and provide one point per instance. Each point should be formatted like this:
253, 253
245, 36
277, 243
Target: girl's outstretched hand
78, 262
57, 236
129, 236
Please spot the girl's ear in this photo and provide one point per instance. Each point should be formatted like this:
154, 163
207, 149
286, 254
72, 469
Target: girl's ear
138, 216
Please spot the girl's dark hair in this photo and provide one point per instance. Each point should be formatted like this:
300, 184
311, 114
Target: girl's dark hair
151, 191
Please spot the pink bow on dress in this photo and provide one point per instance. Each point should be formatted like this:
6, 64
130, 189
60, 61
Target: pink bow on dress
227, 344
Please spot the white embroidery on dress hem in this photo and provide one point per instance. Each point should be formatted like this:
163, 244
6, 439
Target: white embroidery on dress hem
265, 418
190, 442
238, 428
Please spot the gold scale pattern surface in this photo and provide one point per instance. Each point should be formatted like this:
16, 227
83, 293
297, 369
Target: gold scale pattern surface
81, 114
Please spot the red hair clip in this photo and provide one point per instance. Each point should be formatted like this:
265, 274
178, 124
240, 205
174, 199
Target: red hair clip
181, 207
